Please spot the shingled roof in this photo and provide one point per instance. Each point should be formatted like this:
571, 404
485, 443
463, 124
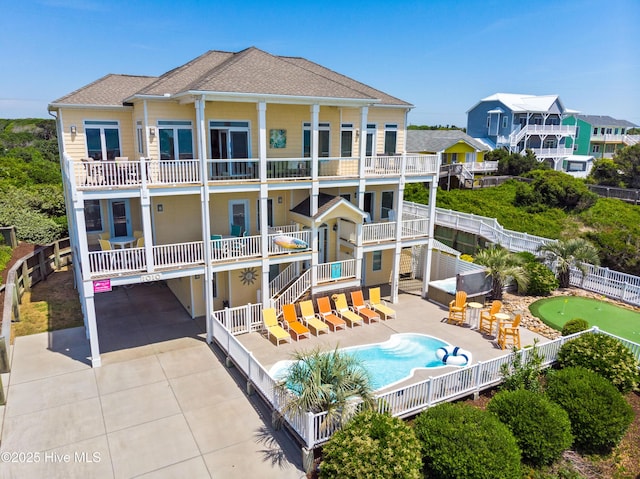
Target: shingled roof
109, 90
605, 120
433, 141
250, 71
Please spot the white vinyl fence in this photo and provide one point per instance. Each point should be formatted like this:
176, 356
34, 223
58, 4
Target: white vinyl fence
400, 402
613, 284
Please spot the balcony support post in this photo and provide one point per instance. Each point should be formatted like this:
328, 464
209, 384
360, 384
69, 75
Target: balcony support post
91, 328
364, 111
206, 222
426, 272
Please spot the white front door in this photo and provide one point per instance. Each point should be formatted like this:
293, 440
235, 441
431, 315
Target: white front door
323, 246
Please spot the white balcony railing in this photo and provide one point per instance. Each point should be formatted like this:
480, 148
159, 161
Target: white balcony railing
551, 152
336, 271
227, 249
414, 228
563, 130
173, 172
233, 170
178, 255
376, 232
111, 174
339, 167
117, 261
275, 248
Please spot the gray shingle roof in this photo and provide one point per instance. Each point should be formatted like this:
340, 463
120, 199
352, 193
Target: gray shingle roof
433, 141
109, 90
250, 71
604, 120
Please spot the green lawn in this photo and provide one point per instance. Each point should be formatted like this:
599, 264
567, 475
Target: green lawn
608, 317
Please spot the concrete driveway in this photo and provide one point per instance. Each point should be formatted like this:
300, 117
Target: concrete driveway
163, 404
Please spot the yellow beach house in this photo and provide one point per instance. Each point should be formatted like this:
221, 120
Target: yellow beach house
239, 178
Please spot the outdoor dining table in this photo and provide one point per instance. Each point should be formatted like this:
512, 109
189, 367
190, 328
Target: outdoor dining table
474, 314
122, 241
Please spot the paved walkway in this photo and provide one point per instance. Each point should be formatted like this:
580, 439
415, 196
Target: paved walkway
163, 404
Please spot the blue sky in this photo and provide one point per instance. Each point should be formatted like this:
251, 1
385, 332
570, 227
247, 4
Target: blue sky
441, 56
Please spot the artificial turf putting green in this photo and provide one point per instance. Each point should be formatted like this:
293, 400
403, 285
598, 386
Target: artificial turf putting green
611, 318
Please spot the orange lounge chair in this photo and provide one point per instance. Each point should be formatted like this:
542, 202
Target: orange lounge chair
357, 300
291, 322
308, 317
488, 317
340, 301
326, 314
510, 329
458, 309
270, 321
377, 304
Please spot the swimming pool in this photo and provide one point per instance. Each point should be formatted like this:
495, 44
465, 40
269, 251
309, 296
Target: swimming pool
390, 362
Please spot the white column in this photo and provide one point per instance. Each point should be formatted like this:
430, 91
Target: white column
90, 322
204, 209
262, 140
426, 273
147, 231
397, 257
315, 188
81, 228
364, 111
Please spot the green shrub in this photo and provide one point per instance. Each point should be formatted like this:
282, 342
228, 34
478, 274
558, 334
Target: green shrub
574, 325
523, 374
598, 412
372, 445
541, 427
541, 280
602, 354
463, 442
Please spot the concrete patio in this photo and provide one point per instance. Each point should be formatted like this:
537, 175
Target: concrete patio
164, 404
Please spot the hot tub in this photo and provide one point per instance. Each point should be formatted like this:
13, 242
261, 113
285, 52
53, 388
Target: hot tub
442, 291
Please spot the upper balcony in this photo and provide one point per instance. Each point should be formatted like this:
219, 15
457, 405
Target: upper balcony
143, 173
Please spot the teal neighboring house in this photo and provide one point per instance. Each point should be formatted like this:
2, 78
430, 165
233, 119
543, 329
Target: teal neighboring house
599, 136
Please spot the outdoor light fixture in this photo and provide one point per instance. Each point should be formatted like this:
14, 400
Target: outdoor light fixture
73, 129
160, 208
335, 227
152, 131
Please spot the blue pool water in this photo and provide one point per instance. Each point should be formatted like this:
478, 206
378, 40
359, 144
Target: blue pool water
391, 361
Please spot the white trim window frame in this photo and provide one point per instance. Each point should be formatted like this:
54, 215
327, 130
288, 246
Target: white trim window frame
346, 140
175, 139
371, 140
233, 214
324, 139
101, 137
390, 138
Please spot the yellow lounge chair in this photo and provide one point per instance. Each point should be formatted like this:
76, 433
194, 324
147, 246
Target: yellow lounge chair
509, 329
291, 322
488, 317
458, 309
360, 307
328, 315
340, 301
308, 317
270, 321
379, 305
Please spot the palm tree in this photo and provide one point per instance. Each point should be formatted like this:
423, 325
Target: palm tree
326, 381
573, 252
503, 267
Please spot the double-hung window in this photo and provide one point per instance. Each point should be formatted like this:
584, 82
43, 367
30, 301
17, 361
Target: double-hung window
103, 139
387, 204
324, 130
346, 140
176, 139
390, 138
377, 261
93, 215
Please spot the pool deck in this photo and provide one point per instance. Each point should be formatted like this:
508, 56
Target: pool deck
414, 315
